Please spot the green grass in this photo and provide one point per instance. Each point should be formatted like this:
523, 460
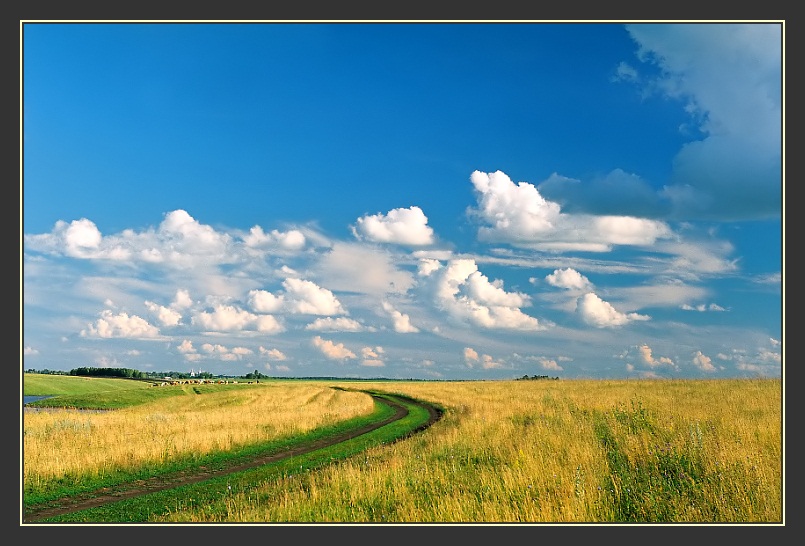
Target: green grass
96, 393
69, 385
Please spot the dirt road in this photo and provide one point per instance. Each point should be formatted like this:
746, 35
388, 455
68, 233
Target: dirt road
125, 491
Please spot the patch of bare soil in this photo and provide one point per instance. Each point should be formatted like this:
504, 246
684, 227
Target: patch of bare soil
143, 487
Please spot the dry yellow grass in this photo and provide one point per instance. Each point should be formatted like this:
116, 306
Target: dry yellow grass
74, 443
530, 451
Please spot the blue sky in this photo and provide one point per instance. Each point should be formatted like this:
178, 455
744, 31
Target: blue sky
403, 200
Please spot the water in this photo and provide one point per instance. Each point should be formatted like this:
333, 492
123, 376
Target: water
28, 399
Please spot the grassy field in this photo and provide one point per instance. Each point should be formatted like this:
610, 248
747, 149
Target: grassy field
586, 451
68, 385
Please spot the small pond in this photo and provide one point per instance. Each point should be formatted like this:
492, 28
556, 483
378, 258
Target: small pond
29, 399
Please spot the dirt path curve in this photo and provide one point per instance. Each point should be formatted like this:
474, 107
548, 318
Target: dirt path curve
159, 483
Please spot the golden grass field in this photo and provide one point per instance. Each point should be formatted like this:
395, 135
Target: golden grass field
537, 451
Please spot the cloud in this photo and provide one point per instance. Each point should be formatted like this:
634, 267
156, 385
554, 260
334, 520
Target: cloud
471, 358
121, 325
334, 351
616, 193
402, 322
401, 226
550, 365
702, 307
107, 362
489, 363
29, 351
182, 300
569, 278
186, 347
180, 241
372, 357
467, 295
81, 238
340, 324
518, 215
769, 278
287, 240
186, 242
268, 324
427, 266
78, 239
262, 301
165, 315
229, 318
730, 77
672, 293
515, 211
224, 318
272, 354
647, 358
763, 362
223, 353
545, 363
300, 296
308, 298
242, 351
625, 72
188, 351
599, 313
703, 362
216, 348
362, 269
702, 257
286, 271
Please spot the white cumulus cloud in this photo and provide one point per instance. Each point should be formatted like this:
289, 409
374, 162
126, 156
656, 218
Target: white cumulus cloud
402, 322
518, 215
601, 314
308, 298
263, 301
334, 351
272, 354
568, 278
703, 362
120, 325
229, 318
467, 295
372, 356
287, 240
402, 226
165, 315
338, 324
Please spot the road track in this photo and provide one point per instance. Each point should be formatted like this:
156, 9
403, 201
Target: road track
100, 497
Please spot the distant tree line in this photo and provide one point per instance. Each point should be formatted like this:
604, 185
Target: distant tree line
129, 373
47, 372
108, 372
533, 377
